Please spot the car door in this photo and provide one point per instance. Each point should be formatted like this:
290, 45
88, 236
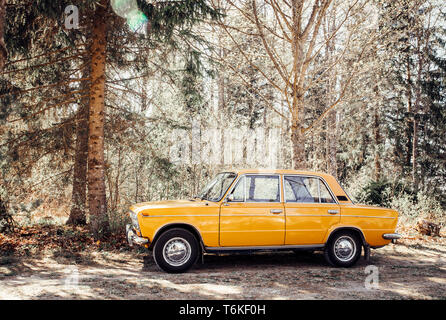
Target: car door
253, 213
310, 209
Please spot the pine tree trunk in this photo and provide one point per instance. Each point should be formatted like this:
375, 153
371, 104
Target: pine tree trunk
3, 52
78, 215
96, 172
79, 195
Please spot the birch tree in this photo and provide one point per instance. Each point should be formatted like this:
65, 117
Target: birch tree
298, 25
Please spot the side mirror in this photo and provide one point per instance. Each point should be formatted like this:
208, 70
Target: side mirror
229, 198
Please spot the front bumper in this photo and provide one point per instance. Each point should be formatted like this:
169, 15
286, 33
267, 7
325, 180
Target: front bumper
392, 236
133, 238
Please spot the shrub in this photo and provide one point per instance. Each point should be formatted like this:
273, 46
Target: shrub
382, 192
6, 220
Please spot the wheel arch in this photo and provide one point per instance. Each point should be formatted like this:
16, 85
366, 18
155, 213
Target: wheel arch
338, 229
174, 225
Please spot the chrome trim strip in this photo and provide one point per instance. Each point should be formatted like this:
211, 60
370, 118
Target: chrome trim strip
251, 215
306, 246
180, 215
356, 216
391, 236
311, 215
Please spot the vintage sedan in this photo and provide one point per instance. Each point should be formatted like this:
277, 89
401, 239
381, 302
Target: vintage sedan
261, 210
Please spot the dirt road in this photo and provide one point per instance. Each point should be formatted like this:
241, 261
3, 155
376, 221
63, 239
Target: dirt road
410, 270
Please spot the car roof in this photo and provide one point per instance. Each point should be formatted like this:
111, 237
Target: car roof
280, 171
334, 185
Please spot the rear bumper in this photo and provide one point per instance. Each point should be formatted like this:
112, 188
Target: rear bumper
133, 238
392, 236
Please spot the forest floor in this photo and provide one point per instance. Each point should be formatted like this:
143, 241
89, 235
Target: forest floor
61, 263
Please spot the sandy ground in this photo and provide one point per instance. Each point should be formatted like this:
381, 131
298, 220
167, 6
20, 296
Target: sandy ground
408, 270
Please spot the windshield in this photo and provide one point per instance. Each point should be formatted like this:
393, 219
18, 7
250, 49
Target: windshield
216, 189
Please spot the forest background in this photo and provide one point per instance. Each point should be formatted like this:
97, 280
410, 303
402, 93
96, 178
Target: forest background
107, 103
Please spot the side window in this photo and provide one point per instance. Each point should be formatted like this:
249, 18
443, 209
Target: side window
257, 188
238, 194
290, 196
262, 188
325, 194
301, 189
306, 190
312, 187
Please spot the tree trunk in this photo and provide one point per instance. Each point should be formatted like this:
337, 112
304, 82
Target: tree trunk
298, 141
332, 124
79, 194
377, 138
332, 140
409, 128
78, 214
96, 172
415, 115
3, 52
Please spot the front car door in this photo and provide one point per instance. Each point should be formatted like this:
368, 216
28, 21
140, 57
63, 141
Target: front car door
253, 214
310, 209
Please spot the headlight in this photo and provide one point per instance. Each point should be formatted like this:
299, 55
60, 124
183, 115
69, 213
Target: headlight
134, 218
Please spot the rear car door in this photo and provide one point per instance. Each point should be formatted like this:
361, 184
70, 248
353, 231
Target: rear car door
310, 209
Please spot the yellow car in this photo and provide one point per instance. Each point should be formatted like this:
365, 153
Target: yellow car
261, 210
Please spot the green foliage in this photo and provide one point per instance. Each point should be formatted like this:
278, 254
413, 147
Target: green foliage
191, 88
374, 193
166, 17
381, 192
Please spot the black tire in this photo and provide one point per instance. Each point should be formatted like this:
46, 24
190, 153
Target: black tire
343, 249
184, 242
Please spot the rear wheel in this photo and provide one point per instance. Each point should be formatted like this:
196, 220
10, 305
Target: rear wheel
343, 249
176, 250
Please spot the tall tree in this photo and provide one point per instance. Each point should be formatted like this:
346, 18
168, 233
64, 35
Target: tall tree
3, 51
96, 172
299, 27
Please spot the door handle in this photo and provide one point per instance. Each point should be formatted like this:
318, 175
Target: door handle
276, 211
333, 211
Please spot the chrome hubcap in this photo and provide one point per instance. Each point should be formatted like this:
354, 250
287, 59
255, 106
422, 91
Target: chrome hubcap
345, 248
176, 251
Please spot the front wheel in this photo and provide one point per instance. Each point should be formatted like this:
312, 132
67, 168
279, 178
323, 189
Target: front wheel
176, 250
343, 249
